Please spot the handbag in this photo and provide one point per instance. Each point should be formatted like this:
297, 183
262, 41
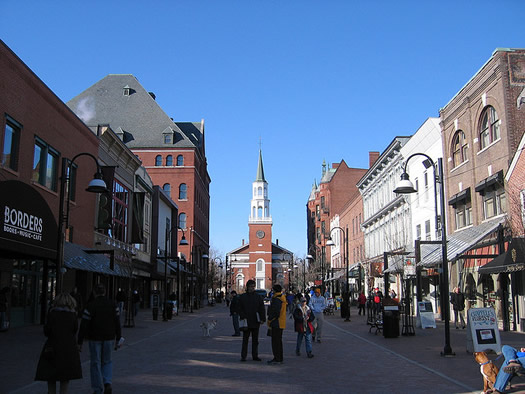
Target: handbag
243, 324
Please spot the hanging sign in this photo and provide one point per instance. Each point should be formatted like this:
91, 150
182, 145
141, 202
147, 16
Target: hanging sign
426, 314
483, 332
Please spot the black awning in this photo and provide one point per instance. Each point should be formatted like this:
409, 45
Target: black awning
510, 261
491, 183
76, 257
461, 197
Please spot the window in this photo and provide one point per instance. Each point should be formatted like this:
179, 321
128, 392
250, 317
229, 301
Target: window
158, 160
463, 215
120, 209
425, 178
182, 220
183, 191
167, 188
427, 230
418, 231
323, 229
459, 148
259, 191
180, 160
260, 265
416, 186
494, 203
167, 138
322, 202
169, 160
45, 165
259, 212
11, 144
489, 127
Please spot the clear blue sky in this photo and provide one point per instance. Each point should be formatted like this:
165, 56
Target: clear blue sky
313, 79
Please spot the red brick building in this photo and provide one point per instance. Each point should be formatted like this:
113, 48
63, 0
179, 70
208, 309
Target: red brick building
173, 154
260, 259
38, 130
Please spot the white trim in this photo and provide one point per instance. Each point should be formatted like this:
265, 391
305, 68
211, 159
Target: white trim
489, 145
515, 158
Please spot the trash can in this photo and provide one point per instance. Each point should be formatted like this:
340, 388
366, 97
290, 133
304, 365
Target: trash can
391, 321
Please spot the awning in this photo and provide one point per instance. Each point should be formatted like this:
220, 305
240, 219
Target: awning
76, 257
337, 275
510, 261
459, 243
494, 181
463, 196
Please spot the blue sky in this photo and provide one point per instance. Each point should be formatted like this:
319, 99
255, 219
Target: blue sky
314, 80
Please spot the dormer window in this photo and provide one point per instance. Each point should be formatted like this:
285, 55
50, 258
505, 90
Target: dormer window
168, 135
167, 139
127, 90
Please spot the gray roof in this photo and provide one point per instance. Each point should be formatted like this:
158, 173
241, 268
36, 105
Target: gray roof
260, 169
137, 115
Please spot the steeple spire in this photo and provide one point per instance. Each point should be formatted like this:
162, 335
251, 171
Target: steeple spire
260, 169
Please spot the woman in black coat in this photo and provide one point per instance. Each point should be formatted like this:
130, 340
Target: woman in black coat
60, 357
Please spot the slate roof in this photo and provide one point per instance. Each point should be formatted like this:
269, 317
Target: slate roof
137, 114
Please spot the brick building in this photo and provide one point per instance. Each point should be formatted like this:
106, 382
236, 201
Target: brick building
173, 154
260, 259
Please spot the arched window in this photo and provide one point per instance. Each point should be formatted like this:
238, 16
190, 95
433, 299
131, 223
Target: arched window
259, 191
260, 265
158, 160
259, 212
183, 191
167, 188
180, 160
489, 127
459, 148
169, 160
182, 220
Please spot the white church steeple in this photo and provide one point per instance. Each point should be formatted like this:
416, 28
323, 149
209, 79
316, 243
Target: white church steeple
260, 204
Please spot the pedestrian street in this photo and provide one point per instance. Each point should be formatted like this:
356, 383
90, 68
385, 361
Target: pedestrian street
174, 357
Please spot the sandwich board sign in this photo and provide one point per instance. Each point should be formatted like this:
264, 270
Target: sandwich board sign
426, 314
483, 332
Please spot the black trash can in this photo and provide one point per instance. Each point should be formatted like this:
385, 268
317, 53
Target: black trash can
169, 309
155, 302
391, 321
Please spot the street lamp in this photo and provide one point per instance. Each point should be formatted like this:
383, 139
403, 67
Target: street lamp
97, 185
345, 243
404, 187
304, 273
182, 242
215, 260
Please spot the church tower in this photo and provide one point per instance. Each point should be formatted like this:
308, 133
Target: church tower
260, 224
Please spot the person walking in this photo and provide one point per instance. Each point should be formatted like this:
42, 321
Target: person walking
101, 325
60, 357
251, 308
303, 318
277, 323
318, 304
361, 301
234, 313
121, 299
457, 299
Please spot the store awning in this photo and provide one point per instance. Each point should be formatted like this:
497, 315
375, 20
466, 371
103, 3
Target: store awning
461, 197
459, 243
76, 257
337, 275
510, 261
490, 183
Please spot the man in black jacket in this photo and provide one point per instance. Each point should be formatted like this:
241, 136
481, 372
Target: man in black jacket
457, 299
251, 308
101, 325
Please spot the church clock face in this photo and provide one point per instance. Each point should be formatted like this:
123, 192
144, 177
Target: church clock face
260, 234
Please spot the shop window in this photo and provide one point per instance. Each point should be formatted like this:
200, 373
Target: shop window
489, 127
459, 148
11, 144
45, 165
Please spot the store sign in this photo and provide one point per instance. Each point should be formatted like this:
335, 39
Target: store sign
483, 331
28, 224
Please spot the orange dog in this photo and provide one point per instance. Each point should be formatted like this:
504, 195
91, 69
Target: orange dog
488, 369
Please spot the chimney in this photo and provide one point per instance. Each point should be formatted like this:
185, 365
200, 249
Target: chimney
243, 242
277, 241
372, 158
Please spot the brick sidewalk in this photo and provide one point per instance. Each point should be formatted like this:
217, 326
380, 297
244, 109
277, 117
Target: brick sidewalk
173, 356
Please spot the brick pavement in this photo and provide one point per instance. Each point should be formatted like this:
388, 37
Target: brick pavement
172, 357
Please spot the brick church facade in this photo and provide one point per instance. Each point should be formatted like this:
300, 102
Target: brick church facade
260, 259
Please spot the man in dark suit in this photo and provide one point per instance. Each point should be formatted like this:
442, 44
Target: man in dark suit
251, 308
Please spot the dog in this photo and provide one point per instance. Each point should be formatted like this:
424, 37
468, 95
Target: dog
207, 326
488, 370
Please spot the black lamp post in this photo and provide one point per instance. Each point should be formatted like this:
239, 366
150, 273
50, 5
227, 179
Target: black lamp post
97, 185
183, 242
345, 243
404, 187
215, 260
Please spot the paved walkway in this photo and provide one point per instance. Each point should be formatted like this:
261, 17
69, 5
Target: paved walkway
174, 357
